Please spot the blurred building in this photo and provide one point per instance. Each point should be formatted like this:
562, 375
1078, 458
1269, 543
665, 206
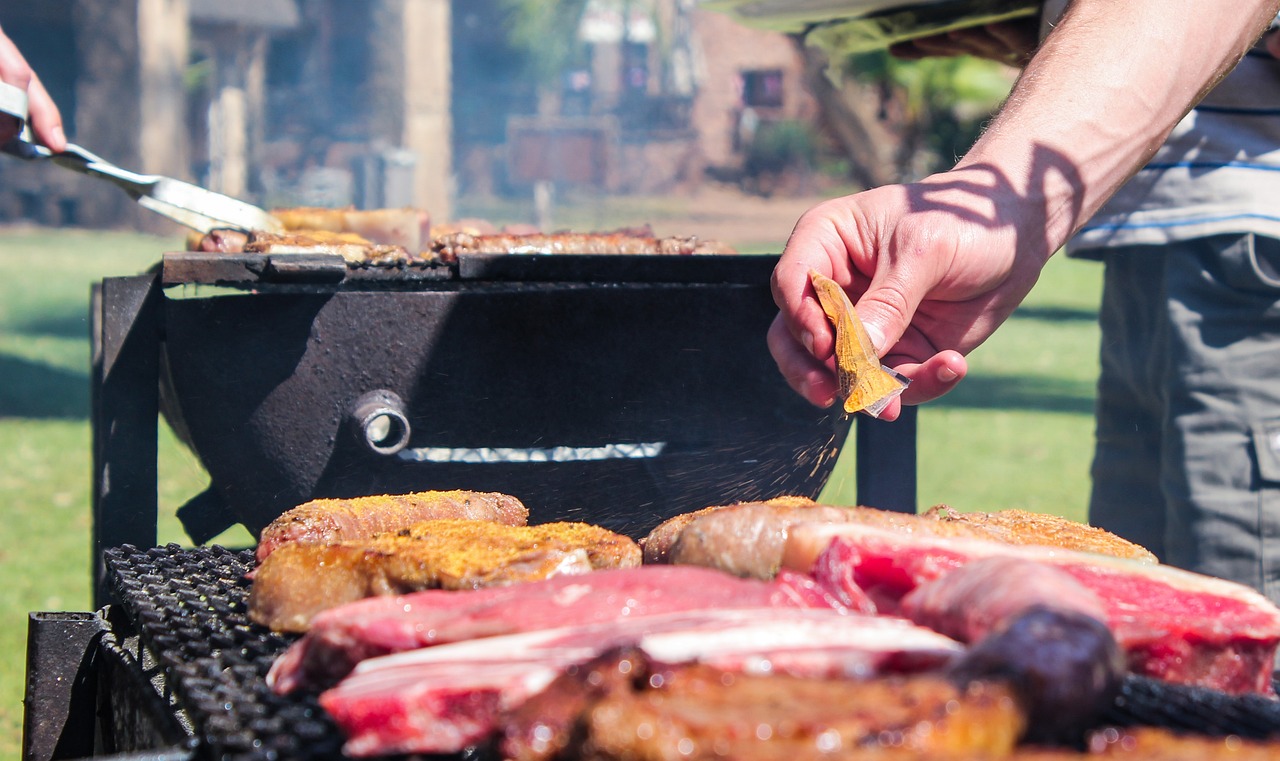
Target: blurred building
275, 101
650, 95
387, 102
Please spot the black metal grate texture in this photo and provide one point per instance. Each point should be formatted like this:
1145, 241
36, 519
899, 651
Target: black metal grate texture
1151, 702
189, 608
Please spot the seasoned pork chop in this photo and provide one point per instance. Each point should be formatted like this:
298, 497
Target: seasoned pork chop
299, 580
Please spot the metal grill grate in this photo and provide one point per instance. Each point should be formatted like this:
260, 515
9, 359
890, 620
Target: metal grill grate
189, 607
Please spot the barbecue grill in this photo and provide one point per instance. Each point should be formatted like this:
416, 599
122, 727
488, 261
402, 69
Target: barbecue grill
617, 390
613, 389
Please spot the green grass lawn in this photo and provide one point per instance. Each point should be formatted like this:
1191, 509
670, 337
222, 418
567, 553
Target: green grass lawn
1016, 434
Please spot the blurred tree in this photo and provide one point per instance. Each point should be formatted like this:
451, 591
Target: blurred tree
897, 120
546, 32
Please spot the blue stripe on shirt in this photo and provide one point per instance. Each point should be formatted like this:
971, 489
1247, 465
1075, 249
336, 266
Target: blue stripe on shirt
1237, 111
1177, 223
1210, 165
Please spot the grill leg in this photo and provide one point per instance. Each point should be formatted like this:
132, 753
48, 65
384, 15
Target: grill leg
126, 409
886, 462
59, 713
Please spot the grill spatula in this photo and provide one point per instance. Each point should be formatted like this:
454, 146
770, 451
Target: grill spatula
187, 204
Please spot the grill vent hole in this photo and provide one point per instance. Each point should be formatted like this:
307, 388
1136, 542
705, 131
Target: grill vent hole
379, 422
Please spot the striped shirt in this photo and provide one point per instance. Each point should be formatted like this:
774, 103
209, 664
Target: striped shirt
1217, 173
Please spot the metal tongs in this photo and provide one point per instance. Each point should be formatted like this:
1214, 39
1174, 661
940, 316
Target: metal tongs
187, 204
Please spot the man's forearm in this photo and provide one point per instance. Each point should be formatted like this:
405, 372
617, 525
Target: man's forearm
1102, 94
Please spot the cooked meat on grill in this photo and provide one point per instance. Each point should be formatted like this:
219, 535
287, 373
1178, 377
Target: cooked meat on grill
657, 545
298, 580
1023, 527
341, 637
353, 248
328, 521
448, 247
746, 539
218, 241
1172, 624
408, 228
547, 725
1152, 744
442, 699
375, 236
622, 706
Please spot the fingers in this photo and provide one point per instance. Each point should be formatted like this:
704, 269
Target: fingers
44, 116
806, 375
815, 244
46, 119
934, 377
13, 71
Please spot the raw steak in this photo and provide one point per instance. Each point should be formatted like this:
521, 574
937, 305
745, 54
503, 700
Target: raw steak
445, 698
344, 636
1172, 624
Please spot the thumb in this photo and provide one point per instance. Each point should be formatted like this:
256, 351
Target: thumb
886, 309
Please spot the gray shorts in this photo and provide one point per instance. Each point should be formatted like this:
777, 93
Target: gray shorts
1187, 460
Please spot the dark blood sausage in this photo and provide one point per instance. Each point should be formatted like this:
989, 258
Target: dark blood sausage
329, 521
1064, 666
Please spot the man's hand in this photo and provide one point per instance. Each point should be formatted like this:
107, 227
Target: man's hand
1007, 42
46, 120
934, 267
